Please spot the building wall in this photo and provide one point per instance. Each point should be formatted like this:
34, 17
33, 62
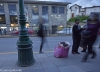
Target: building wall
6, 16
92, 9
82, 11
75, 9
69, 14
58, 19
54, 19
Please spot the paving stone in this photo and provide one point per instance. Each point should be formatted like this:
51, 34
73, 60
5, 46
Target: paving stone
41, 55
50, 54
54, 69
44, 59
67, 69
59, 63
47, 64
88, 66
54, 58
77, 68
94, 71
36, 66
70, 61
35, 70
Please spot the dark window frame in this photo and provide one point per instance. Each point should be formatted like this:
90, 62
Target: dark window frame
4, 19
15, 21
44, 9
35, 20
12, 7
54, 9
45, 12
34, 11
60, 11
2, 8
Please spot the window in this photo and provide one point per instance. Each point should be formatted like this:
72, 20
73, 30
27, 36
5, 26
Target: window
26, 13
61, 10
54, 9
13, 19
44, 10
35, 14
35, 10
45, 14
2, 19
75, 7
12, 9
1, 9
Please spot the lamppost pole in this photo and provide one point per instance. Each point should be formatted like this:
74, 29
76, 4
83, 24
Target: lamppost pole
24, 44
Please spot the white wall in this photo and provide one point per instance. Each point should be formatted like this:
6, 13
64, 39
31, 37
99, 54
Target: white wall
69, 14
74, 10
89, 10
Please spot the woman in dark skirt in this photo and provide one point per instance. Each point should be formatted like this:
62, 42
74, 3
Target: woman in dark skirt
93, 27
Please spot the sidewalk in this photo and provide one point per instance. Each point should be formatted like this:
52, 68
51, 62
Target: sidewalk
48, 63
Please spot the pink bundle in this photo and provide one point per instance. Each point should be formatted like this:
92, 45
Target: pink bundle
62, 49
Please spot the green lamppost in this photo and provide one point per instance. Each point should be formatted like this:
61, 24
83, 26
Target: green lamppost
24, 44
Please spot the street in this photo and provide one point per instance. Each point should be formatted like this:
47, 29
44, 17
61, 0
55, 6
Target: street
46, 62
9, 44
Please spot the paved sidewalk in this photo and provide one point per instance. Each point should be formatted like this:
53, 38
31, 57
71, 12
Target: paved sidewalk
48, 63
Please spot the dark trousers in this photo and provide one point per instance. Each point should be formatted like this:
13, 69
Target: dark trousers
89, 42
84, 46
42, 43
76, 43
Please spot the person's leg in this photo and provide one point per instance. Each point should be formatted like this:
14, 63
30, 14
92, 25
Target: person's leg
90, 43
77, 46
41, 46
84, 44
73, 46
86, 54
91, 49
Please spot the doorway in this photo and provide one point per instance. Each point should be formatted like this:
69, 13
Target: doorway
54, 29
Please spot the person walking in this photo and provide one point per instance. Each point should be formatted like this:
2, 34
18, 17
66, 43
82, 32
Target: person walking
4, 31
0, 31
42, 36
84, 46
40, 33
76, 31
92, 31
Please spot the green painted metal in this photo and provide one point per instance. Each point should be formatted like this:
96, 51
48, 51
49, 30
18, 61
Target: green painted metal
24, 44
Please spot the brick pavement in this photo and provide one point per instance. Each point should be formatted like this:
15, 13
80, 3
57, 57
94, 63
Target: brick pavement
48, 63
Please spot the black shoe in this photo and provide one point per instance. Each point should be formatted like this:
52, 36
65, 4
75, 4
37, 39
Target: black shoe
41, 52
85, 57
84, 60
77, 52
94, 56
73, 52
83, 51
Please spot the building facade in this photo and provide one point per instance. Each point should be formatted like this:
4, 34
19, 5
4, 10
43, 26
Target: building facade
75, 9
53, 13
92, 9
78, 10
82, 12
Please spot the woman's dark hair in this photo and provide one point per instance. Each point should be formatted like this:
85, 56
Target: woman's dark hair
89, 19
96, 20
95, 14
76, 20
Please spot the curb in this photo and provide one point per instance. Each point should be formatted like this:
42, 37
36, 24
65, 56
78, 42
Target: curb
3, 53
33, 36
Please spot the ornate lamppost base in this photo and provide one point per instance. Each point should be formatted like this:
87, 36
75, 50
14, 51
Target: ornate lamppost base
25, 57
24, 44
